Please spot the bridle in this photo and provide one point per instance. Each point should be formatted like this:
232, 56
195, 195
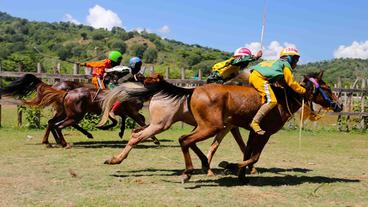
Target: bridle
317, 89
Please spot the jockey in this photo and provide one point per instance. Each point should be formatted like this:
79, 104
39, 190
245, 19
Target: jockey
99, 67
268, 72
130, 73
228, 69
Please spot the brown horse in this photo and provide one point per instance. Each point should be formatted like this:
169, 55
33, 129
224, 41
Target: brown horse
165, 109
70, 106
217, 107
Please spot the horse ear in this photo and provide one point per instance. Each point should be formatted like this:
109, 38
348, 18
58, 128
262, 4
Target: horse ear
320, 74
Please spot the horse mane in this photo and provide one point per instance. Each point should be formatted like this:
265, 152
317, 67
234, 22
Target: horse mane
165, 88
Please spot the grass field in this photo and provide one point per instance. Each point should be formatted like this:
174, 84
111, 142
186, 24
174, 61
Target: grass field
328, 169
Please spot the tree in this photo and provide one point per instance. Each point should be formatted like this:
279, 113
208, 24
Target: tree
84, 36
138, 50
150, 55
118, 45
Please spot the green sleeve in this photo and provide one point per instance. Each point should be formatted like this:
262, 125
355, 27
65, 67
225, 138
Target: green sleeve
244, 61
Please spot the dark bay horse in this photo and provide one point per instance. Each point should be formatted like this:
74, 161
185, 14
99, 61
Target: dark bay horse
165, 109
216, 107
70, 106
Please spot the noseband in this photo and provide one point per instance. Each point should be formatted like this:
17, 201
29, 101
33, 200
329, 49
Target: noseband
318, 89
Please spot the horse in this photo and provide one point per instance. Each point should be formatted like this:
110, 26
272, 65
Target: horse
216, 107
70, 106
165, 109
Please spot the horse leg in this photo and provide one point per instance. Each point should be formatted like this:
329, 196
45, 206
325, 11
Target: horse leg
85, 132
257, 143
134, 140
62, 139
61, 125
139, 118
122, 126
186, 141
50, 127
215, 144
114, 123
238, 138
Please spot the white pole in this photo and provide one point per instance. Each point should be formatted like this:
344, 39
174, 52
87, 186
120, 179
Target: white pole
301, 126
263, 23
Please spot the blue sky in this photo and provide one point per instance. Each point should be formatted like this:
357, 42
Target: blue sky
319, 29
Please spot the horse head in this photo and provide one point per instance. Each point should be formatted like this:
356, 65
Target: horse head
153, 79
319, 92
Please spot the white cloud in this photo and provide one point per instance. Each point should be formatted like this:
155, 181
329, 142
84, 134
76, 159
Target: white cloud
164, 29
70, 18
141, 29
271, 51
100, 17
355, 50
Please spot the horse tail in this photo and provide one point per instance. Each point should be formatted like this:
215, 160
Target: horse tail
46, 95
22, 86
123, 93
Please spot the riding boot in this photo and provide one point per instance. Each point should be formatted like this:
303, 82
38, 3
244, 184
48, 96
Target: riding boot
265, 108
115, 107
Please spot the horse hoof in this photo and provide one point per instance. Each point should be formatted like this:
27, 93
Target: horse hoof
185, 178
121, 135
48, 145
111, 161
210, 173
253, 171
156, 142
68, 146
90, 137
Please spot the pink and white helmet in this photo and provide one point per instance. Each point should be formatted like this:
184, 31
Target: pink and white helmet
240, 52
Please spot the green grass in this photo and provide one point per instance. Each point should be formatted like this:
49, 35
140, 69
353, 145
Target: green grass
326, 169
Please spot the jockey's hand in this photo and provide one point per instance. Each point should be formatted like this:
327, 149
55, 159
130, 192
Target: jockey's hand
139, 77
259, 54
82, 64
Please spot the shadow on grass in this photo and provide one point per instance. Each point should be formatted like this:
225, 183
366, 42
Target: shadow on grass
120, 144
289, 180
230, 180
146, 172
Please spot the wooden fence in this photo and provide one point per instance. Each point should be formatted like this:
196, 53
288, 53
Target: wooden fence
351, 96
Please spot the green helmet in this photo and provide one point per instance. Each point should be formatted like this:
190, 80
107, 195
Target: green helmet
115, 56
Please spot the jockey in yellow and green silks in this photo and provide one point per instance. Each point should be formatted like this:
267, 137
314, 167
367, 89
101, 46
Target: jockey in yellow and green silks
228, 69
267, 72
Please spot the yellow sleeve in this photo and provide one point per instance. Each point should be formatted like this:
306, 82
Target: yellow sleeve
288, 76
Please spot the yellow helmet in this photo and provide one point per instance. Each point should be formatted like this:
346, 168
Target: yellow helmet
289, 51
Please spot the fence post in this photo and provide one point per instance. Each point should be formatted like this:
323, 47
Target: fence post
167, 73
1, 85
200, 74
182, 73
152, 70
39, 68
57, 71
76, 71
183, 78
362, 106
19, 108
38, 112
20, 116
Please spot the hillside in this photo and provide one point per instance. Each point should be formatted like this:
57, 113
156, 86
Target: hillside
61, 42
